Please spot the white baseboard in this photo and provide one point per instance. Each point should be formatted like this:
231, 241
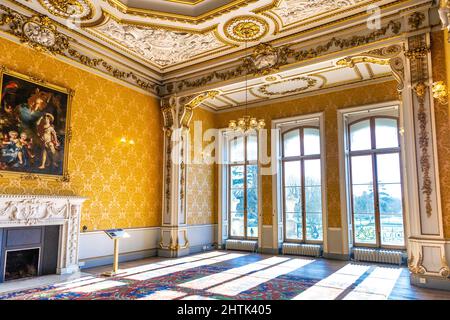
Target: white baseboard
96, 246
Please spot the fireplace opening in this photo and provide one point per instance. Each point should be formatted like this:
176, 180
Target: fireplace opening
21, 263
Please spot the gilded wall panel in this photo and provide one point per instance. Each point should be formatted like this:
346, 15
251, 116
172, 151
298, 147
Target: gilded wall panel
201, 186
440, 61
121, 181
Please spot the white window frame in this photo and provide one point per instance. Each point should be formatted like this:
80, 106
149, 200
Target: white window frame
223, 192
277, 178
407, 188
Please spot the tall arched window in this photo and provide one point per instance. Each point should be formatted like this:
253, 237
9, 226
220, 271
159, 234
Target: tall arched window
243, 187
302, 190
375, 182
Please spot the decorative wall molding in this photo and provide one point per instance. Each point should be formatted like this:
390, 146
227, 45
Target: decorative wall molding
160, 47
36, 210
41, 33
287, 55
72, 9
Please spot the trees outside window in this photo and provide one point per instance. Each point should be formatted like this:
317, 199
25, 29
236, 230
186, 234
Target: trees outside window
302, 189
376, 186
243, 187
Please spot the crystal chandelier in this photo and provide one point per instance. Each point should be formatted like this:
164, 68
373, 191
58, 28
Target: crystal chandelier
246, 124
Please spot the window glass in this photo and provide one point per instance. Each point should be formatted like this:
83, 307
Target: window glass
386, 133
237, 149
311, 141
292, 174
376, 189
243, 188
252, 148
360, 138
291, 143
302, 222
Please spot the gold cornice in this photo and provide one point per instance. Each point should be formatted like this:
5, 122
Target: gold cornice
305, 54
119, 54
87, 17
179, 17
191, 3
321, 16
287, 38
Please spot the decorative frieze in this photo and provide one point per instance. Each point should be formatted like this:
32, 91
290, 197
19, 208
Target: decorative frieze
41, 33
263, 60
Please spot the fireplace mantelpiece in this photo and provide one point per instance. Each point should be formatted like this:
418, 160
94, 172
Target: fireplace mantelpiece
40, 210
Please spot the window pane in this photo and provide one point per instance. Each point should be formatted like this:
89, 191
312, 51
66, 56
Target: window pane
252, 201
252, 176
237, 176
361, 167
292, 173
386, 133
392, 229
360, 136
363, 199
237, 200
237, 149
252, 148
364, 224
312, 172
237, 224
311, 141
313, 199
294, 227
314, 226
291, 143
388, 168
292, 199
390, 198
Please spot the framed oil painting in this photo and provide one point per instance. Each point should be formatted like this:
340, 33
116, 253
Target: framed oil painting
34, 126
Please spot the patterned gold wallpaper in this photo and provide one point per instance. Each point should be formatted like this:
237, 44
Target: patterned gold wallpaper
122, 182
440, 49
201, 195
329, 103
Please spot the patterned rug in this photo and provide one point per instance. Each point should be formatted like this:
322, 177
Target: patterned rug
219, 276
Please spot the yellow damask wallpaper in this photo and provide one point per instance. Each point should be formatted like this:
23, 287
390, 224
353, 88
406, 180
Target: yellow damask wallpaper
329, 103
201, 204
121, 181
440, 50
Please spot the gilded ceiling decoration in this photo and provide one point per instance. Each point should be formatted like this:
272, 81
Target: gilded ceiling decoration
293, 11
158, 46
73, 9
41, 33
38, 32
298, 84
246, 28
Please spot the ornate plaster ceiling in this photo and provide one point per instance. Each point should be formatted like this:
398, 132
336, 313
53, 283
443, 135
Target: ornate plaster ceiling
168, 35
314, 78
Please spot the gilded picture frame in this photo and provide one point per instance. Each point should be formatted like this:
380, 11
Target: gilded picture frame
35, 128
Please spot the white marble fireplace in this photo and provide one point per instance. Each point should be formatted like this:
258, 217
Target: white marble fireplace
39, 210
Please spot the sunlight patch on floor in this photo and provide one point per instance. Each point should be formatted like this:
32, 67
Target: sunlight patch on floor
237, 286
377, 286
164, 295
108, 284
171, 262
335, 284
218, 278
182, 267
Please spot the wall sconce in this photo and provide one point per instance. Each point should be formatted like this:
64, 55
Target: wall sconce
124, 140
440, 92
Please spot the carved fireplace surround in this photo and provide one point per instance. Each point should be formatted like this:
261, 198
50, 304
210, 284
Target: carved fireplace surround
40, 210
